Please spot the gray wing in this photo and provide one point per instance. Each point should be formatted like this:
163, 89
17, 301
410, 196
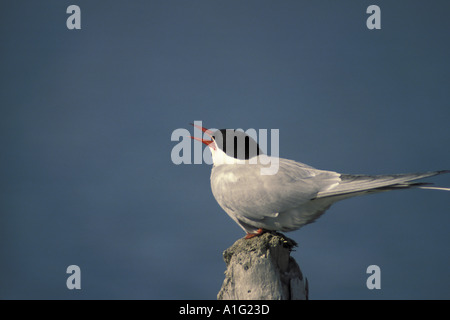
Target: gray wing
354, 184
243, 191
348, 186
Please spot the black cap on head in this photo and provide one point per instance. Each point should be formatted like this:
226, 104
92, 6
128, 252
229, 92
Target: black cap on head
236, 144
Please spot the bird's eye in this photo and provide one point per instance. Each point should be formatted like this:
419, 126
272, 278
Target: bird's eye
213, 137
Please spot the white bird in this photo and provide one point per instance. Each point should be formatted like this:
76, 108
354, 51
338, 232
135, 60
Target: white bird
293, 197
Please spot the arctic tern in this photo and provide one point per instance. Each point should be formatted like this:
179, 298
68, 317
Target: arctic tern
297, 194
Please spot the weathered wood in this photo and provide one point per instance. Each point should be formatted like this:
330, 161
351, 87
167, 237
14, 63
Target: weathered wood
261, 268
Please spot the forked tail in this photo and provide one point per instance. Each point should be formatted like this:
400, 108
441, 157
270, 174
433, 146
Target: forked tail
352, 184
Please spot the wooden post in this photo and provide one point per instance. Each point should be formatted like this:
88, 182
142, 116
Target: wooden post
261, 268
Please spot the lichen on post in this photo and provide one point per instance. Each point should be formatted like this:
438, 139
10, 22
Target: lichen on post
261, 268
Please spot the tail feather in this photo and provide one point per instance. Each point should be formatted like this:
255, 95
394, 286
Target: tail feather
435, 188
351, 184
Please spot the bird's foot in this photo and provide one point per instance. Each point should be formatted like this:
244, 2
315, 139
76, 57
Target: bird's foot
259, 232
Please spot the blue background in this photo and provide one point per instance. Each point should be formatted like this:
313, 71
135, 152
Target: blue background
86, 118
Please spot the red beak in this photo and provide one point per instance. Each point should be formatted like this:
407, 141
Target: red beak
208, 132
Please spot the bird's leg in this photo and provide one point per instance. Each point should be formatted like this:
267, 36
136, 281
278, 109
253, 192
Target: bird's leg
259, 232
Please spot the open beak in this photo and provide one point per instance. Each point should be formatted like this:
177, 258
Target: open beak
208, 132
